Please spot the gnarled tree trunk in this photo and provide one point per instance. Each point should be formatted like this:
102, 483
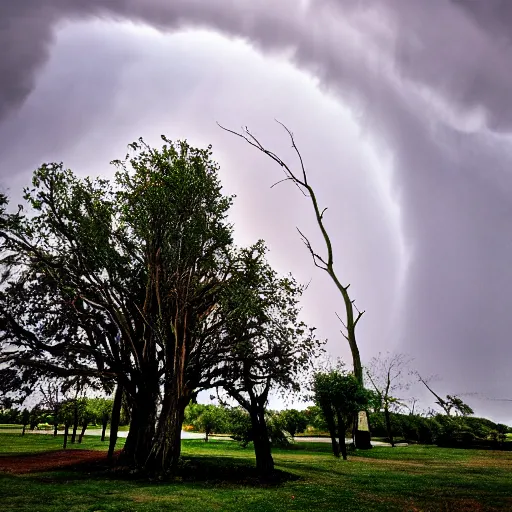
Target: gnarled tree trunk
138, 444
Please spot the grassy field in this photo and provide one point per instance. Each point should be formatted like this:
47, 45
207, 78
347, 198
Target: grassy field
219, 476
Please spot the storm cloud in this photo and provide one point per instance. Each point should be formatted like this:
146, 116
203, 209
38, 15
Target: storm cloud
420, 212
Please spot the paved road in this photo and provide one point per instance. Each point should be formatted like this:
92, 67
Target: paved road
195, 435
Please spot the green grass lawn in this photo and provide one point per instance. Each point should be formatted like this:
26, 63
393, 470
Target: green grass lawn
214, 478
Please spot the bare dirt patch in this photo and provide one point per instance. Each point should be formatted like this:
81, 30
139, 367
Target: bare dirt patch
50, 461
499, 460
400, 463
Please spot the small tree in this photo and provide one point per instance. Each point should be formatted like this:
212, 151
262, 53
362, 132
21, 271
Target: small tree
340, 395
66, 416
100, 410
25, 420
267, 346
293, 421
212, 419
315, 418
35, 417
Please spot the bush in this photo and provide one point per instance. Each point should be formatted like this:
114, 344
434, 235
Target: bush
239, 426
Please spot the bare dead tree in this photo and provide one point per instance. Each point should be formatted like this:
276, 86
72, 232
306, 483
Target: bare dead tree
451, 403
325, 262
386, 374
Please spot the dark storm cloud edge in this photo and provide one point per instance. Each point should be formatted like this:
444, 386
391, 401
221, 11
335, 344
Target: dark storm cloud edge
423, 30
455, 215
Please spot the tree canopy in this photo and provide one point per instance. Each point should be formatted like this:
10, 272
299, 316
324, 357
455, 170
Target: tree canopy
135, 283
339, 395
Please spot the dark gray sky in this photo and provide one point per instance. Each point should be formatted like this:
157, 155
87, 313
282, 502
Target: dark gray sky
403, 112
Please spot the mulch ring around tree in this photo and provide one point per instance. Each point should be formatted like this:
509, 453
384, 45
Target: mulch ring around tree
51, 461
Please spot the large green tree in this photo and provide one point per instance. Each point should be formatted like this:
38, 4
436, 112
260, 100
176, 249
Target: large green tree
135, 284
113, 281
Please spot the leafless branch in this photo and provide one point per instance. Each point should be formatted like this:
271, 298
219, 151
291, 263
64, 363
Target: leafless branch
342, 322
359, 315
294, 146
316, 257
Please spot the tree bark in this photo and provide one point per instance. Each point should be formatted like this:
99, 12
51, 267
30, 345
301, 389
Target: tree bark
262, 446
114, 422
342, 427
166, 450
388, 426
332, 432
82, 433
66, 433
104, 425
142, 429
166, 447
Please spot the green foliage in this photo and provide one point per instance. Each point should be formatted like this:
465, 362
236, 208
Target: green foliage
25, 417
240, 426
271, 347
456, 404
339, 393
440, 429
293, 421
316, 418
207, 418
99, 409
66, 412
9, 416
340, 396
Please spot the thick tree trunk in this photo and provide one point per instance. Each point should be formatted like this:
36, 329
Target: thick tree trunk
114, 422
139, 442
262, 446
23, 431
166, 450
388, 426
55, 429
